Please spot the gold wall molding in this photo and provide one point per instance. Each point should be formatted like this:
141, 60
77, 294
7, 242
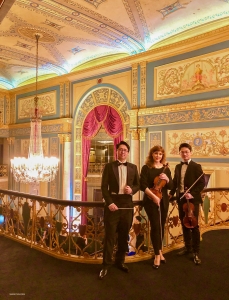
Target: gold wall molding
67, 99
200, 111
143, 84
134, 100
61, 105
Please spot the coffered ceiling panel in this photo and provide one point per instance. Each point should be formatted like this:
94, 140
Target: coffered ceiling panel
76, 33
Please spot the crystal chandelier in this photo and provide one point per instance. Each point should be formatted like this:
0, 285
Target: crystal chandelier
36, 167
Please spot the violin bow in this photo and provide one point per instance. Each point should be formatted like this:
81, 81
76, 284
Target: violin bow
191, 186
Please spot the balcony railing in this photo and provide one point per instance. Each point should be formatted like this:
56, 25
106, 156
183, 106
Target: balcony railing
54, 226
3, 170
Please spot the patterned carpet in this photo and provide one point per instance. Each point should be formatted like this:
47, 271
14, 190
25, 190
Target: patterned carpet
29, 274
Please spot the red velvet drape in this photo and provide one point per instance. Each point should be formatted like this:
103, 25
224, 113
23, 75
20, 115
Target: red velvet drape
112, 123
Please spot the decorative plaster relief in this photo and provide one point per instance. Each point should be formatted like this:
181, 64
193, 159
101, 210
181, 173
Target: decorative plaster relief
155, 138
46, 102
205, 142
195, 75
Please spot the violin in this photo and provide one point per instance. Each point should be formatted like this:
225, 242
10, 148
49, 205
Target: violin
159, 184
189, 219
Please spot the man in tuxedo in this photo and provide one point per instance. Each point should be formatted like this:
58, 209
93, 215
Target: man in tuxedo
120, 181
186, 173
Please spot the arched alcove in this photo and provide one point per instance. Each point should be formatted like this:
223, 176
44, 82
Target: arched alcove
97, 97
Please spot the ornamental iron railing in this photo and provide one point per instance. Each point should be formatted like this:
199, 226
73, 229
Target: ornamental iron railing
54, 226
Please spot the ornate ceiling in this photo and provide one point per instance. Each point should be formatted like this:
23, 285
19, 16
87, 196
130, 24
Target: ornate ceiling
76, 34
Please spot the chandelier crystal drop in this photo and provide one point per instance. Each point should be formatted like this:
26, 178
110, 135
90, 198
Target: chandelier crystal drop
36, 167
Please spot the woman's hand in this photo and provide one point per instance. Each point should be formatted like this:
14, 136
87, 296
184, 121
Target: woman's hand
156, 200
164, 176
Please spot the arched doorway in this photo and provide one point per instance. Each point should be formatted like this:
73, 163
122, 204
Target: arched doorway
99, 96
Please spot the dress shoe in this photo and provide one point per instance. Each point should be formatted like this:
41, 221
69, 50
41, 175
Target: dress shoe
102, 273
123, 267
196, 259
184, 251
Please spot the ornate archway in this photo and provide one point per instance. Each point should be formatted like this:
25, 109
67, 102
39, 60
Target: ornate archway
99, 96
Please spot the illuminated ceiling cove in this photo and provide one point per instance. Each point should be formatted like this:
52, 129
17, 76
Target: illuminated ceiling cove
76, 34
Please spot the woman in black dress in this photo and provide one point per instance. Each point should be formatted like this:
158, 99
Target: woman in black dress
156, 208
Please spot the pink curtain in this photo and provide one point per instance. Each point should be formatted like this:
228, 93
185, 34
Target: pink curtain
112, 123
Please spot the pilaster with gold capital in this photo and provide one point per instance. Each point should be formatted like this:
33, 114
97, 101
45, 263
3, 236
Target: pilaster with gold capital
64, 138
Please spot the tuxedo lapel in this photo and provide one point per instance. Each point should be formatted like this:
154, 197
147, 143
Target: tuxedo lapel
115, 170
179, 173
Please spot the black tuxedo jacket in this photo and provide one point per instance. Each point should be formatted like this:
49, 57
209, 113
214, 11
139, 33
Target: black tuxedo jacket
110, 180
193, 171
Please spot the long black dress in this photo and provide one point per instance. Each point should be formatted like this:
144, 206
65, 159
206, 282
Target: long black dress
157, 227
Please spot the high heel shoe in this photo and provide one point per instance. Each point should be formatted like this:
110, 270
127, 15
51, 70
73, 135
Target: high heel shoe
155, 266
163, 261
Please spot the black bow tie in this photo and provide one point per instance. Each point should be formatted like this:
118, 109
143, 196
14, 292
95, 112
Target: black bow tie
184, 163
124, 164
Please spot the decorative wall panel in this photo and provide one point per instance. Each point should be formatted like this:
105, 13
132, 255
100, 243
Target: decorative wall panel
205, 142
155, 138
199, 74
47, 103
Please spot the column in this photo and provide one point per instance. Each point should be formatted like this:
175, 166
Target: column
65, 140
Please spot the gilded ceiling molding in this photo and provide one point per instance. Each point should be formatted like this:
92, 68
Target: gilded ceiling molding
201, 111
143, 84
134, 86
